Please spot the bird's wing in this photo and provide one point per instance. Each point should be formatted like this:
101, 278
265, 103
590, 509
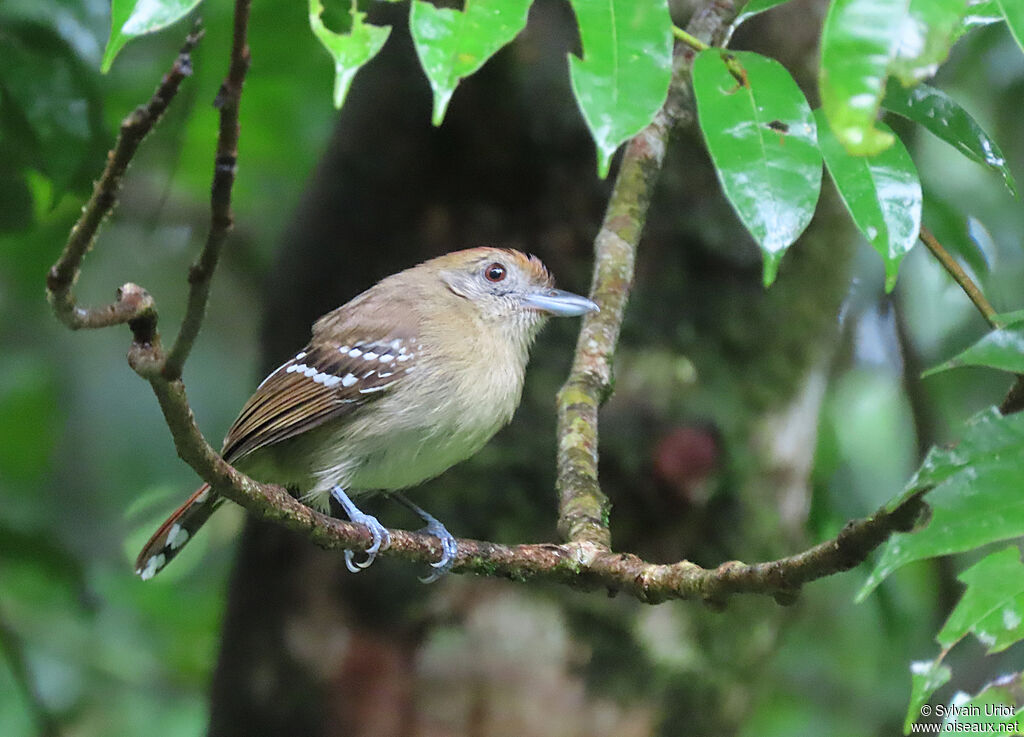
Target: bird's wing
318, 384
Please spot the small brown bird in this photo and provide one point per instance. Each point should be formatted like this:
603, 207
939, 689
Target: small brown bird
409, 378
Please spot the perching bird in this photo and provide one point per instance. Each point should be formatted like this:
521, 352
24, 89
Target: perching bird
409, 378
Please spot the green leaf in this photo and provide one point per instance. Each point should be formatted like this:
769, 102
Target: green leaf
942, 115
1013, 12
754, 7
452, 45
975, 495
351, 50
863, 41
882, 193
622, 80
132, 18
927, 33
858, 43
1001, 349
925, 677
992, 607
51, 115
979, 13
996, 703
763, 141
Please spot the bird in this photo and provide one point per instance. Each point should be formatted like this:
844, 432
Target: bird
407, 379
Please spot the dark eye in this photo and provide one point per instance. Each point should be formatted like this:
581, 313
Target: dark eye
495, 272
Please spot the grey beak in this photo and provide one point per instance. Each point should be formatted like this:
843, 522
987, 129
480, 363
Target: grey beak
559, 303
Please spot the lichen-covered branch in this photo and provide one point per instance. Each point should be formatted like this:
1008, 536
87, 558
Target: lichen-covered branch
60, 280
583, 507
225, 166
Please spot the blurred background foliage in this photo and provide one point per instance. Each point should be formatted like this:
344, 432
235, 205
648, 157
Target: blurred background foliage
87, 467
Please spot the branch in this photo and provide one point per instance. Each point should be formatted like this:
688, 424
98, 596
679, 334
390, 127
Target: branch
62, 276
583, 507
221, 218
960, 276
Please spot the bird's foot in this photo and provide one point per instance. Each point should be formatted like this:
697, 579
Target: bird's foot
379, 533
449, 546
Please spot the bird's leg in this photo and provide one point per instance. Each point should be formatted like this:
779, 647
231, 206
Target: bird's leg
381, 539
449, 547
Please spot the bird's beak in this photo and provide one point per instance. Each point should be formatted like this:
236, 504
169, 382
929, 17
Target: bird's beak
559, 303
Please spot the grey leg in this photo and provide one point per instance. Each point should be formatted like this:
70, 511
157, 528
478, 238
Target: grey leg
449, 547
381, 539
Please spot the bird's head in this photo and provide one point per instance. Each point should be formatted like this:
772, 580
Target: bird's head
503, 285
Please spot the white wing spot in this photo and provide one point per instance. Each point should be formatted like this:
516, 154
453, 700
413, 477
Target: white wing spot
405, 357
376, 388
327, 380
349, 380
300, 355
369, 373
355, 353
154, 564
386, 358
369, 356
343, 349
177, 537
386, 375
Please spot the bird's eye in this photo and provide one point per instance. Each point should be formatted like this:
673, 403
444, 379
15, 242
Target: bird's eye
495, 272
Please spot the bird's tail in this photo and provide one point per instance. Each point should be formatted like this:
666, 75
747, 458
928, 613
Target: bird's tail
177, 530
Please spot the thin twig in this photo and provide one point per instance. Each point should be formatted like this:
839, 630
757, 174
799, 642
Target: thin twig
64, 273
583, 507
960, 276
1014, 399
225, 167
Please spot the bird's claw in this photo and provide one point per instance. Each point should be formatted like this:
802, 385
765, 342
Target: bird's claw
378, 532
449, 546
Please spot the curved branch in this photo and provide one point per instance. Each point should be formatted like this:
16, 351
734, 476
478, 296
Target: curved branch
62, 275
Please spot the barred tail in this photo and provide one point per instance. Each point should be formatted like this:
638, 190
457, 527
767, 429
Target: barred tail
177, 530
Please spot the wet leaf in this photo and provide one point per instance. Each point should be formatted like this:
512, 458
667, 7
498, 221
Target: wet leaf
858, 43
622, 80
754, 7
351, 50
942, 115
453, 44
925, 677
926, 35
882, 193
1001, 349
1013, 13
992, 607
762, 139
132, 18
979, 13
975, 495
